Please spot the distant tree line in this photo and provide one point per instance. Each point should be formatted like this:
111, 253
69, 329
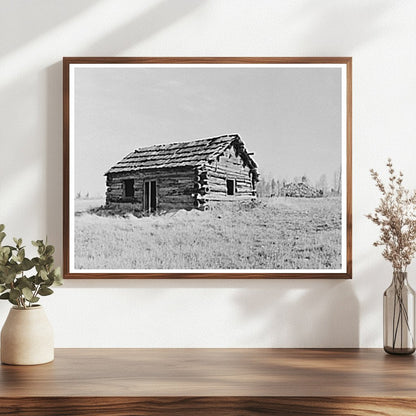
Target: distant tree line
79, 195
269, 187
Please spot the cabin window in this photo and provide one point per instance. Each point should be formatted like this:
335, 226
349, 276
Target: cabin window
129, 188
231, 187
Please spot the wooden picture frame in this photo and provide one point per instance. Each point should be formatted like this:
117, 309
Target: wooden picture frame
100, 94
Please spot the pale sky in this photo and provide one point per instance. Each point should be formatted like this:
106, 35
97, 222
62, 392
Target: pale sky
290, 118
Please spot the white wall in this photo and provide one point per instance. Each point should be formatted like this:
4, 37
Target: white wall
380, 35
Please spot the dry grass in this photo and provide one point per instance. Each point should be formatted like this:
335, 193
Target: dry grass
274, 233
85, 204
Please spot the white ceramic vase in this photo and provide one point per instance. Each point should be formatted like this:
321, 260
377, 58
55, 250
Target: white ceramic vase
27, 337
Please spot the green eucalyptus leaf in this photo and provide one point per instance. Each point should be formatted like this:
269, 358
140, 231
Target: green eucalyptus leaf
9, 277
58, 280
27, 293
3, 258
43, 275
48, 260
11, 248
7, 297
45, 291
15, 293
26, 264
24, 282
21, 255
48, 282
38, 280
2, 227
2, 236
13, 302
5, 250
49, 250
2, 288
14, 267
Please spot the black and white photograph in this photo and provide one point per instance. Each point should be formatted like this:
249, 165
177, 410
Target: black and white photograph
211, 168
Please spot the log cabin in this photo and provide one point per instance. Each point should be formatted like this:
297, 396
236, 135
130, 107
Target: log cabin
184, 175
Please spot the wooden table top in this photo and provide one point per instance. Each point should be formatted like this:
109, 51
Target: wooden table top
214, 372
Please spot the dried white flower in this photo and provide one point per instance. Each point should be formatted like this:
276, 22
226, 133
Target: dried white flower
396, 217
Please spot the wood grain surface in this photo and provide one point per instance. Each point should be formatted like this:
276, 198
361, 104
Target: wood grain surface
208, 406
212, 381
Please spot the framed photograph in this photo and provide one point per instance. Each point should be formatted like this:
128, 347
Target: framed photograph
207, 168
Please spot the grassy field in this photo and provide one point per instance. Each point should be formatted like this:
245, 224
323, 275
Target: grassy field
85, 204
273, 233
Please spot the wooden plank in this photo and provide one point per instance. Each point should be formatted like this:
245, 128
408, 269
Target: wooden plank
225, 168
167, 206
207, 406
215, 372
228, 198
177, 199
225, 382
217, 188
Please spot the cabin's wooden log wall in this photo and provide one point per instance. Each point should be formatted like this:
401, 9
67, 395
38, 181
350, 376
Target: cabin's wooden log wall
174, 188
211, 180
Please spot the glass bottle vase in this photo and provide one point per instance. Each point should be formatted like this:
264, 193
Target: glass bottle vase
399, 316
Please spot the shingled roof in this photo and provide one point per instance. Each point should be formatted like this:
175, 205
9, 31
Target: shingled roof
183, 154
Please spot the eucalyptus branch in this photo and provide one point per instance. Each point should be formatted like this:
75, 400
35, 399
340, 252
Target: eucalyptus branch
16, 284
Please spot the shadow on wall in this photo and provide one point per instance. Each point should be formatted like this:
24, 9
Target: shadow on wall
155, 19
301, 313
375, 276
35, 18
336, 17
158, 17
54, 147
261, 313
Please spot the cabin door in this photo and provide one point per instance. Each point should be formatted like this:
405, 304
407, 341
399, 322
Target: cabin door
150, 196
